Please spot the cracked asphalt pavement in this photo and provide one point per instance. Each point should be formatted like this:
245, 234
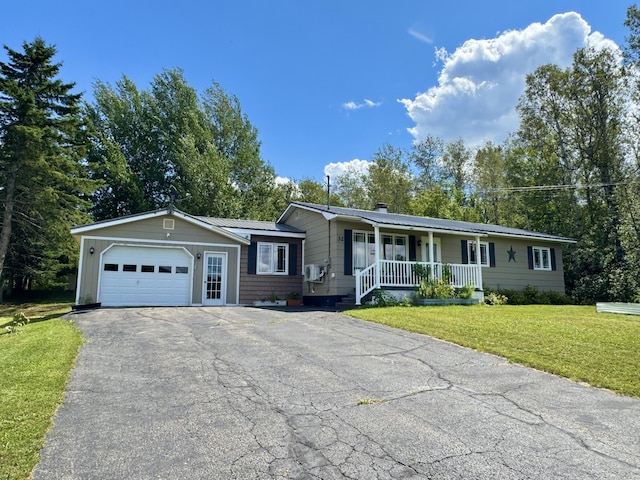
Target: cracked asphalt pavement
246, 393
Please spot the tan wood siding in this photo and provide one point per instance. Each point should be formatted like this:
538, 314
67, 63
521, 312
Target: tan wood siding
317, 249
195, 239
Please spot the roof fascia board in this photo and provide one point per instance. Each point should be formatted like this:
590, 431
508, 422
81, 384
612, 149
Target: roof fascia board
145, 216
117, 221
393, 226
535, 237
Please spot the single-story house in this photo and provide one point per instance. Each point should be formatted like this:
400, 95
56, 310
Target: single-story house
326, 253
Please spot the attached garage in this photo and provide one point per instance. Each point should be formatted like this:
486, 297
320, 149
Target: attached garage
145, 276
160, 258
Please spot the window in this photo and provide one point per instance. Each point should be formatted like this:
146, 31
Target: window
164, 269
484, 253
364, 250
147, 268
541, 258
182, 269
110, 267
394, 247
273, 259
129, 268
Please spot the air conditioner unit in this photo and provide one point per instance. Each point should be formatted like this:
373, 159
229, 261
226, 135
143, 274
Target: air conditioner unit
312, 273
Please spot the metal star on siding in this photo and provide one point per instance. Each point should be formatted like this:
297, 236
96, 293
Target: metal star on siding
512, 254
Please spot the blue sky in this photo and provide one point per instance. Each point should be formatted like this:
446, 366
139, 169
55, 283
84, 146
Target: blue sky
327, 83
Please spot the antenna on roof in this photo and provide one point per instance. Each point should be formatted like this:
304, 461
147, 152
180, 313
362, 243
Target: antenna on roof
328, 192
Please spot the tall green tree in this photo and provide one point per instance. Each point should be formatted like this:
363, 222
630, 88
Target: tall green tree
426, 155
390, 180
150, 143
572, 137
43, 178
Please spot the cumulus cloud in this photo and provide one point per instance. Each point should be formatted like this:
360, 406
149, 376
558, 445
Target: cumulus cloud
338, 168
355, 106
481, 81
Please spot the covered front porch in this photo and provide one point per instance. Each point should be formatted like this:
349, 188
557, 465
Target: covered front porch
397, 272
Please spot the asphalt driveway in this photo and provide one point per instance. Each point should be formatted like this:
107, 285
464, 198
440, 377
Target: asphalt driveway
208, 393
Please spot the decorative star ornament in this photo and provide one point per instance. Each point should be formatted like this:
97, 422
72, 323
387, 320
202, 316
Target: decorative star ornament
512, 254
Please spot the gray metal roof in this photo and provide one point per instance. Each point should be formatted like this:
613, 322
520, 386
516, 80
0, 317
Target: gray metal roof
428, 223
250, 225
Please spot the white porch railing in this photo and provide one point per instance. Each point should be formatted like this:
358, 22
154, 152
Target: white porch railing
391, 273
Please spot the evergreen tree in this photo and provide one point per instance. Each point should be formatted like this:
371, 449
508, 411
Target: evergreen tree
43, 179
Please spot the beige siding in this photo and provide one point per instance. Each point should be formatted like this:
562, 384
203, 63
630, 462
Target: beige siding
516, 274
504, 275
150, 232
256, 287
317, 249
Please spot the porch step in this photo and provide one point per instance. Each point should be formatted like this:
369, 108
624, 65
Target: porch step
347, 302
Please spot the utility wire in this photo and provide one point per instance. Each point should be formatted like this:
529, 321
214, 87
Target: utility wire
556, 187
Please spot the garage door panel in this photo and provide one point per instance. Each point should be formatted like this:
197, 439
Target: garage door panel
148, 288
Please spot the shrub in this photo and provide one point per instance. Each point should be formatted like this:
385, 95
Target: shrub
382, 298
436, 289
495, 299
466, 292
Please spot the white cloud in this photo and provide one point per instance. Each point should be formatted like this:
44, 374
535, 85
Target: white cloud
481, 81
355, 106
282, 180
338, 168
420, 36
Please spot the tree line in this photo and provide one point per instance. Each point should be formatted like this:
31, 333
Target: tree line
570, 169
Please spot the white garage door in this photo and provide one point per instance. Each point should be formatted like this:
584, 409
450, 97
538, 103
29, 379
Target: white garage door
145, 276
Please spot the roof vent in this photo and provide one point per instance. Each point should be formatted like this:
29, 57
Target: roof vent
381, 207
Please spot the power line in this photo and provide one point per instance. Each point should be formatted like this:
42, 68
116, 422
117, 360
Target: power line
556, 187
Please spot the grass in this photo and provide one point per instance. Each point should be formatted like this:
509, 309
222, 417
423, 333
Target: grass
572, 341
35, 362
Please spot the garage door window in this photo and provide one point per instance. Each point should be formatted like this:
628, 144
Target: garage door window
164, 269
147, 269
110, 267
129, 268
182, 269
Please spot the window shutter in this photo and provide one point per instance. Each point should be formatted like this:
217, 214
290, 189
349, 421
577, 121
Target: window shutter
293, 259
553, 258
412, 248
465, 251
348, 252
252, 259
492, 254
530, 257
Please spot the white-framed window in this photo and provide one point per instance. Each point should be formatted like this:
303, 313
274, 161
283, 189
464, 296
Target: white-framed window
394, 247
541, 258
273, 259
364, 250
484, 253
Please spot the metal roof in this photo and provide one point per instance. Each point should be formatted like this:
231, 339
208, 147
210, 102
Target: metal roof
429, 223
250, 225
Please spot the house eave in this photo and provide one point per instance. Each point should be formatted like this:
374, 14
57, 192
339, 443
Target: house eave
80, 230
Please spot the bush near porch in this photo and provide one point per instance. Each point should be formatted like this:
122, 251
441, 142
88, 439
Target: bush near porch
572, 341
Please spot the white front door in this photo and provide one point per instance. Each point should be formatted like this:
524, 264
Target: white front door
214, 289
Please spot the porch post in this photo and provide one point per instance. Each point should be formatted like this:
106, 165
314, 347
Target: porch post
479, 262
432, 263
376, 233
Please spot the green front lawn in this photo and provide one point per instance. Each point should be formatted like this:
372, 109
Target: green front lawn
572, 341
35, 363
